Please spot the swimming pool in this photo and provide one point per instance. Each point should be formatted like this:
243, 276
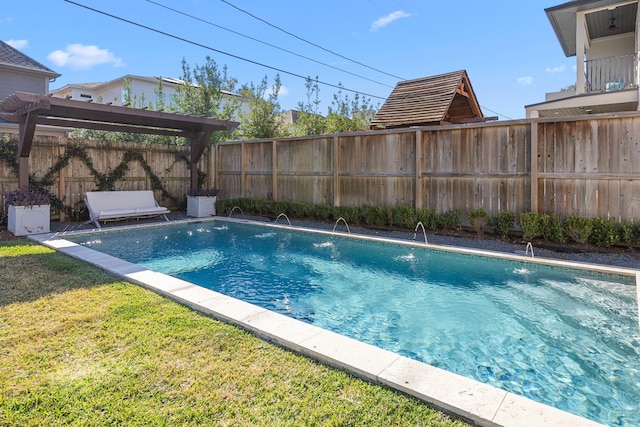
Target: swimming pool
567, 338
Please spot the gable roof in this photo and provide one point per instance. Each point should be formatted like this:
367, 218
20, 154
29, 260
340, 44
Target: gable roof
14, 59
442, 99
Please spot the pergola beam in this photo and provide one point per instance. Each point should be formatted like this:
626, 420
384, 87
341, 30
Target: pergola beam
48, 121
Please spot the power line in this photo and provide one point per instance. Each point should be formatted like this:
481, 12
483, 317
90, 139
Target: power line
265, 43
309, 42
155, 30
495, 112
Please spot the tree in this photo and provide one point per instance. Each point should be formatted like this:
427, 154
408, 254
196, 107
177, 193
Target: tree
310, 122
161, 102
347, 114
263, 120
206, 91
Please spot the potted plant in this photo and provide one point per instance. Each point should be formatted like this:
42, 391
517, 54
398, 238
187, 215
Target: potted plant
28, 212
202, 203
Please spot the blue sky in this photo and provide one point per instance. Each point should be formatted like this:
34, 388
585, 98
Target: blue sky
507, 47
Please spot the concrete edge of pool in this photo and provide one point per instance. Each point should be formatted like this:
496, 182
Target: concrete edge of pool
470, 399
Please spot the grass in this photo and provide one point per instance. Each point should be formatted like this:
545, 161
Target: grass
78, 347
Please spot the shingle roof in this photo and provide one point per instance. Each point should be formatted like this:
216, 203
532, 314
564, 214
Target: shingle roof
13, 58
428, 101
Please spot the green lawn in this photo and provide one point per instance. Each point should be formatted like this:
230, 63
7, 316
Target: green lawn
79, 347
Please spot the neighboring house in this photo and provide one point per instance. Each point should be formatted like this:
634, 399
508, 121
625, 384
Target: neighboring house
430, 101
603, 36
289, 117
143, 92
21, 73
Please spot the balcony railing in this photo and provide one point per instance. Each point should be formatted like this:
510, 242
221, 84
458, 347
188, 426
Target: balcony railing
611, 74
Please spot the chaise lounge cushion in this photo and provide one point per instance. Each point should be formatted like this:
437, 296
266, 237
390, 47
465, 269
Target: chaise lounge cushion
108, 205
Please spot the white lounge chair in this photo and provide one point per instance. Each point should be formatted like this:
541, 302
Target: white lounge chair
114, 205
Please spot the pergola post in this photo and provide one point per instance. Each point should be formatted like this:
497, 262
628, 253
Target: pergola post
199, 143
26, 129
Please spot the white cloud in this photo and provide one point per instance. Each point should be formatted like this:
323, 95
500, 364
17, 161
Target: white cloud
284, 91
17, 44
527, 80
81, 56
386, 20
556, 69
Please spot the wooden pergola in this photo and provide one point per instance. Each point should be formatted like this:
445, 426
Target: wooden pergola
30, 110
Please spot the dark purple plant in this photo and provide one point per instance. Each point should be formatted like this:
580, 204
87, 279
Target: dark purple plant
24, 197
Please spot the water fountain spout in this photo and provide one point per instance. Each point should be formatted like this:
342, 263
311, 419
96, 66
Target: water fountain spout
345, 223
526, 252
234, 208
284, 215
424, 232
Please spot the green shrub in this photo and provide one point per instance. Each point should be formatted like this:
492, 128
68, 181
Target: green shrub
248, 205
479, 220
321, 212
450, 220
630, 233
429, 218
299, 210
551, 228
277, 207
502, 222
262, 206
530, 225
222, 206
373, 215
605, 232
578, 228
349, 214
404, 216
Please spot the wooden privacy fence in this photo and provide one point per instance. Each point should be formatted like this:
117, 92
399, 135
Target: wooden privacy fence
587, 166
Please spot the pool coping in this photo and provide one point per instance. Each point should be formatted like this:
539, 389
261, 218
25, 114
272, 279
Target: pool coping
467, 398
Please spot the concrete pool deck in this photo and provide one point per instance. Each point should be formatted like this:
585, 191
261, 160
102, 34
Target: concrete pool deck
469, 399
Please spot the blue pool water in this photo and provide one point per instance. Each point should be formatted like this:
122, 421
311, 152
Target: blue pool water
566, 338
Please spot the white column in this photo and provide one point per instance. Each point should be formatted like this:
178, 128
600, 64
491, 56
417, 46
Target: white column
637, 68
580, 43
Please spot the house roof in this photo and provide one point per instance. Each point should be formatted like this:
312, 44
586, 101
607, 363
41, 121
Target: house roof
14, 59
598, 19
445, 98
118, 80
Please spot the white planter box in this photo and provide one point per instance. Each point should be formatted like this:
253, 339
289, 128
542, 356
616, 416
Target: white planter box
201, 206
25, 220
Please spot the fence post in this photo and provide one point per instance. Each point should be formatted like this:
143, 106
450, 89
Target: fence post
534, 165
212, 175
61, 182
418, 180
336, 171
274, 166
243, 170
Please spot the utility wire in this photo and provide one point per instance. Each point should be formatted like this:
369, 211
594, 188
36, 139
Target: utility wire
309, 42
496, 113
265, 43
218, 51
